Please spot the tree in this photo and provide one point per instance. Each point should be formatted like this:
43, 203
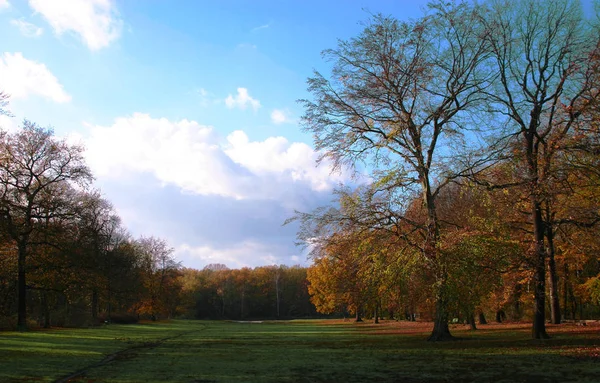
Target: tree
395, 101
342, 276
34, 166
99, 233
542, 53
159, 268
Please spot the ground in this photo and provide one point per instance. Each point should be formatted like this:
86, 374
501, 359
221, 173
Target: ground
299, 351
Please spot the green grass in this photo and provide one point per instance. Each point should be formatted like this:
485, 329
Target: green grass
300, 351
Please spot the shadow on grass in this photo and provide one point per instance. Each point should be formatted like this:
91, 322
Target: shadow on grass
318, 351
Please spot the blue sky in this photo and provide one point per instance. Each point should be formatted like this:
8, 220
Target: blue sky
187, 110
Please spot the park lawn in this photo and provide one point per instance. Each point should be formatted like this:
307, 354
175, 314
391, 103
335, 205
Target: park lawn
46, 355
301, 351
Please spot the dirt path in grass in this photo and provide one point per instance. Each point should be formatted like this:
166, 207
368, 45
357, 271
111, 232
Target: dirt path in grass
124, 354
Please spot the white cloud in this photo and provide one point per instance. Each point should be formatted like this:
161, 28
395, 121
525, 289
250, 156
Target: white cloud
279, 116
95, 21
26, 28
244, 254
4, 4
276, 155
192, 157
21, 77
242, 100
264, 26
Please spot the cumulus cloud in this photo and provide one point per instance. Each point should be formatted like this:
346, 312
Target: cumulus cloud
214, 199
242, 100
276, 155
195, 159
21, 77
27, 29
96, 22
279, 116
244, 254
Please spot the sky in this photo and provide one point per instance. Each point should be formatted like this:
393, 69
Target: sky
187, 109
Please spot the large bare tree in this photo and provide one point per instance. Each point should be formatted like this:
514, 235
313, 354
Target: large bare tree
543, 54
397, 100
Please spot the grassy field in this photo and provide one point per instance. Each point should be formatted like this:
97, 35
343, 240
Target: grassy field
298, 351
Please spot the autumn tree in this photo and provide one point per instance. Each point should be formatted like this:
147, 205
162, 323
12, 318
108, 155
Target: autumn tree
99, 234
34, 167
542, 53
342, 275
396, 99
159, 269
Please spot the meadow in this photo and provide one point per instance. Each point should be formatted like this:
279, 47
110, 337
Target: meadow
299, 351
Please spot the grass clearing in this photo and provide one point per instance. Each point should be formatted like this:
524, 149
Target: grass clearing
300, 351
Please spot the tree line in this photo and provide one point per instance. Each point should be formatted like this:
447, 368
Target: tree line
67, 260
477, 128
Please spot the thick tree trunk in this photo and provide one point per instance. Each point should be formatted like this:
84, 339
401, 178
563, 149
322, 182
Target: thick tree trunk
539, 278
554, 302
376, 314
482, 318
500, 316
358, 317
441, 330
21, 288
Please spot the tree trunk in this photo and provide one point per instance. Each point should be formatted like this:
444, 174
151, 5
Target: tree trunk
441, 330
94, 307
482, 318
376, 314
358, 318
565, 288
45, 308
21, 288
242, 305
500, 316
573, 304
471, 320
554, 302
517, 313
109, 305
277, 292
539, 278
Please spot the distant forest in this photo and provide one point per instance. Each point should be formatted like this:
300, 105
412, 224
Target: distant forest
66, 259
